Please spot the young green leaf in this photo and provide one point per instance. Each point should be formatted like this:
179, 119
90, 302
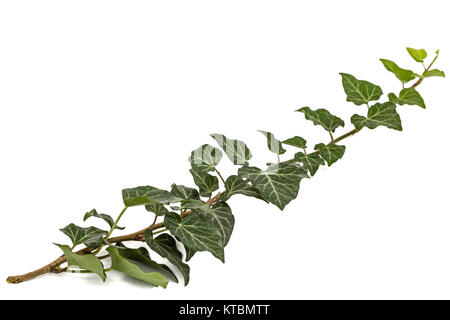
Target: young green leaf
123, 265
296, 141
403, 75
92, 237
196, 232
166, 247
417, 54
330, 153
205, 158
147, 195
380, 114
184, 193
87, 261
206, 182
157, 208
107, 218
236, 150
235, 185
433, 73
408, 96
360, 91
323, 118
273, 143
311, 162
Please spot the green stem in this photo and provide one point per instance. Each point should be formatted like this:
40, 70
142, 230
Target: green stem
220, 176
111, 230
160, 231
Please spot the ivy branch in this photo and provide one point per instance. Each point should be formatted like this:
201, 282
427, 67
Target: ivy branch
203, 222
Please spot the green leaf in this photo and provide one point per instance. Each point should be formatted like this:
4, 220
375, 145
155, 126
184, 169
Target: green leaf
219, 215
380, 114
296, 141
360, 91
123, 265
189, 253
433, 73
205, 158
235, 185
166, 247
330, 153
403, 75
157, 208
417, 54
147, 195
92, 237
323, 118
408, 96
236, 150
279, 184
206, 182
184, 193
273, 143
141, 255
312, 161
86, 261
107, 218
195, 232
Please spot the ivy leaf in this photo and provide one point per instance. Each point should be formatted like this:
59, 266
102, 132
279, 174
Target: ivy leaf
107, 218
273, 143
166, 247
279, 184
195, 232
433, 73
123, 265
141, 255
408, 96
417, 54
205, 158
330, 153
296, 141
184, 193
312, 161
147, 195
403, 75
360, 91
157, 208
189, 253
86, 261
380, 114
236, 150
323, 118
92, 237
235, 185
219, 215
206, 182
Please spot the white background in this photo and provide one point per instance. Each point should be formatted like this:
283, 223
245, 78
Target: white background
96, 96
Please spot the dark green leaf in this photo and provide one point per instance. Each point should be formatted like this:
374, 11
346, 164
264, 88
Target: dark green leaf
312, 161
407, 96
206, 182
196, 232
323, 118
147, 195
92, 237
296, 141
86, 261
279, 184
123, 265
330, 153
360, 91
403, 75
189, 253
205, 158
236, 150
107, 218
235, 185
417, 54
273, 143
380, 114
184, 193
433, 73
166, 247
157, 208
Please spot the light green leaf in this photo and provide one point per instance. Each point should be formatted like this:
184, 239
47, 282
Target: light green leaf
330, 153
408, 96
417, 54
296, 141
433, 73
147, 195
92, 237
123, 265
184, 193
195, 232
235, 185
323, 118
279, 184
273, 143
166, 247
206, 182
403, 75
205, 158
360, 91
312, 161
157, 208
236, 150
86, 261
107, 218
380, 114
